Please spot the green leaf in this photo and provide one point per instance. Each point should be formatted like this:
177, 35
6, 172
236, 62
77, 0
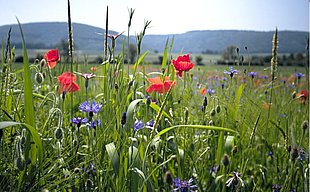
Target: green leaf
205, 127
34, 135
237, 100
130, 113
139, 61
157, 108
113, 156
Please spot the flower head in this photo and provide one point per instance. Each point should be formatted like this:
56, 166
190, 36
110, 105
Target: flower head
138, 125
252, 74
299, 75
231, 71
67, 83
157, 85
182, 63
184, 186
94, 124
150, 124
52, 57
303, 95
79, 121
234, 180
90, 107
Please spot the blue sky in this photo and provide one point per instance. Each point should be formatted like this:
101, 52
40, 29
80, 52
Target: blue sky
168, 16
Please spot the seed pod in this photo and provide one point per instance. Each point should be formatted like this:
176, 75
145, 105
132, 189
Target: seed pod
39, 78
43, 63
89, 184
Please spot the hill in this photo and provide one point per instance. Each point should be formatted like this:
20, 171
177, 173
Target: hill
86, 38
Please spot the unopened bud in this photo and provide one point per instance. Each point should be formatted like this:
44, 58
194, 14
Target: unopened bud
20, 163
305, 125
168, 178
218, 108
225, 160
39, 78
59, 133
212, 113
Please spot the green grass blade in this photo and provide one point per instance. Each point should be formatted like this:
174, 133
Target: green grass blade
130, 113
157, 108
164, 61
237, 101
139, 61
205, 127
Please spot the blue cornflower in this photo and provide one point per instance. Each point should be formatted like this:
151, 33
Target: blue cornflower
79, 121
138, 125
252, 74
90, 108
87, 107
184, 186
94, 124
91, 169
299, 75
150, 124
210, 91
231, 71
264, 77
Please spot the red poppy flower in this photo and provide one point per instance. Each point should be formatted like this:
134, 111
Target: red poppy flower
182, 63
52, 56
157, 85
203, 91
303, 95
67, 82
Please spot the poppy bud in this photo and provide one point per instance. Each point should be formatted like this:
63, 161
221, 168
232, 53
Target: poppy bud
305, 125
43, 63
59, 133
74, 143
205, 101
294, 153
20, 163
225, 160
148, 101
235, 149
212, 113
76, 170
186, 114
123, 120
116, 86
218, 108
168, 178
39, 78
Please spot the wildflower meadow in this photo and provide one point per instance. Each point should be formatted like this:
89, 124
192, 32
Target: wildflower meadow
65, 126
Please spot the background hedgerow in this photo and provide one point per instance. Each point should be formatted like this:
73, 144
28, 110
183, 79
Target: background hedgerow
120, 127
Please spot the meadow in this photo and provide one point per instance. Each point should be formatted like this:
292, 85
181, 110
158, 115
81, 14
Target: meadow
172, 127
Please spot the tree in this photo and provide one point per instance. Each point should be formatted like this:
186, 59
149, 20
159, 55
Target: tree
198, 60
230, 53
132, 53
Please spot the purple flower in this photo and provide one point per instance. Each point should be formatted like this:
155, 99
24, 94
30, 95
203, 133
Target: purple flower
252, 74
264, 77
234, 180
79, 121
210, 91
299, 75
150, 124
231, 72
91, 169
90, 108
94, 124
138, 125
184, 186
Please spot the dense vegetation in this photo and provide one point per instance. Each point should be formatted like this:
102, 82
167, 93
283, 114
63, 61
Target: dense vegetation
67, 126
